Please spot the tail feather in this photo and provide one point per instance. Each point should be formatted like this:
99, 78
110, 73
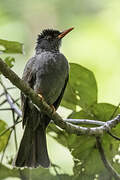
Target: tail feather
33, 149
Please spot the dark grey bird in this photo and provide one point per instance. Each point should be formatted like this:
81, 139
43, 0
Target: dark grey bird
47, 73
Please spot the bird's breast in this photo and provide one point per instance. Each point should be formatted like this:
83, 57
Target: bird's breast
51, 72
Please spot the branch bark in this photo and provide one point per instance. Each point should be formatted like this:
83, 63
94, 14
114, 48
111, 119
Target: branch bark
40, 103
14, 107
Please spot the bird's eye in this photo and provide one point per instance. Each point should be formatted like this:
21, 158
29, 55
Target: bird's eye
56, 35
48, 37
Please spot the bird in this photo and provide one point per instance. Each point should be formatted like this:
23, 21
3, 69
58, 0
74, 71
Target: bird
47, 73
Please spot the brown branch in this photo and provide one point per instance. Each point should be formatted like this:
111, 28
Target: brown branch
17, 110
40, 103
108, 166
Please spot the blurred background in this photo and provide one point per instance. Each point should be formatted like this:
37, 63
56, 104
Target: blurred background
94, 43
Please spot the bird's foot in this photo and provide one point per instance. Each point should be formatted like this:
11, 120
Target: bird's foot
53, 108
41, 97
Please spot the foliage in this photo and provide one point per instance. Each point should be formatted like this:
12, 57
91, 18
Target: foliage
85, 154
82, 84
9, 61
7, 172
36, 174
3, 138
10, 46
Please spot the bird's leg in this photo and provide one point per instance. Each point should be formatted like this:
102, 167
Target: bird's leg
51, 105
41, 97
53, 108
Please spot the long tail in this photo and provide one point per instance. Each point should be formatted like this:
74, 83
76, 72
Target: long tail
33, 149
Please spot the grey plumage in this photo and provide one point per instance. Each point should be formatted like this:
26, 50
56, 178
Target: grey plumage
47, 73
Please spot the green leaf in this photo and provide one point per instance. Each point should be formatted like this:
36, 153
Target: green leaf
7, 172
4, 137
35, 174
81, 89
58, 134
9, 61
81, 115
104, 111
40, 174
11, 46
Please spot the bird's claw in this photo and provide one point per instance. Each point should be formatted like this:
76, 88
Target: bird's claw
41, 97
53, 108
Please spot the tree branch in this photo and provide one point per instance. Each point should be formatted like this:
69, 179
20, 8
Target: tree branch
40, 103
14, 107
85, 121
73, 121
108, 166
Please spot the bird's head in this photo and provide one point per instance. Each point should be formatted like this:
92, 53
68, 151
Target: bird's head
50, 40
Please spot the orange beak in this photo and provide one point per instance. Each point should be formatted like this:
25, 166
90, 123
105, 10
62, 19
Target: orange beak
64, 33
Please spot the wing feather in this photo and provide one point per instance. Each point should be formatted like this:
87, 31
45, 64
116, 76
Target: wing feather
28, 77
57, 102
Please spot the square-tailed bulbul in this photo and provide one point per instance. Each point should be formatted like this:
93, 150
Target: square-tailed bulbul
47, 73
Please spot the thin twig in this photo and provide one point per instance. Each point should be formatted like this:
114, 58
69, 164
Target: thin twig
3, 102
85, 121
5, 109
108, 166
9, 88
114, 136
113, 114
15, 101
14, 129
2, 94
10, 128
10, 100
13, 105
116, 108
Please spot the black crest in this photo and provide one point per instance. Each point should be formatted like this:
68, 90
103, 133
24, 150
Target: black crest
48, 32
